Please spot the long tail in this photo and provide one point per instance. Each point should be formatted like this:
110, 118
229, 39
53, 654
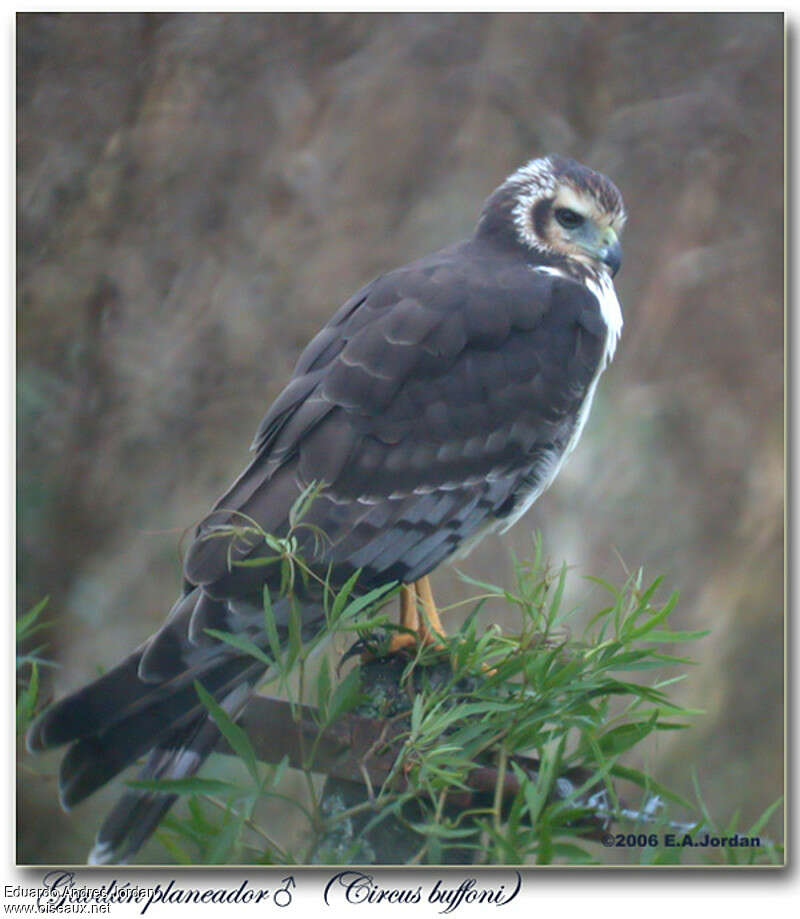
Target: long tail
148, 704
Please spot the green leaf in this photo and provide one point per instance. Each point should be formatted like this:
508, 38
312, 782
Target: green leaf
323, 685
759, 825
243, 644
27, 699
270, 627
346, 696
574, 854
483, 585
558, 593
181, 856
260, 562
303, 502
622, 738
649, 785
279, 771
606, 585
295, 642
416, 714
441, 830
342, 596
200, 822
26, 621
236, 737
645, 598
354, 608
221, 849
192, 785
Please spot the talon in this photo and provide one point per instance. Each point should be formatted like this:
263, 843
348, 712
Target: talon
421, 630
400, 641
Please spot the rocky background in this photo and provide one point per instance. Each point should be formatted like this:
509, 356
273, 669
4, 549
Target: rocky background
198, 193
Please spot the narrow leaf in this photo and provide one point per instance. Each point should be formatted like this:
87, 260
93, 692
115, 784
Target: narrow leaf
236, 737
242, 643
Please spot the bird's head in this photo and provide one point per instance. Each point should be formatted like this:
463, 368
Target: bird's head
560, 210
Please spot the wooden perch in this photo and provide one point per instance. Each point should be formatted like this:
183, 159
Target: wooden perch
357, 747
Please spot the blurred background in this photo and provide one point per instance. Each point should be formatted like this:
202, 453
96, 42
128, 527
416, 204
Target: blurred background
197, 194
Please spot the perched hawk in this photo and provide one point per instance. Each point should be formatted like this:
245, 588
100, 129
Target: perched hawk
437, 404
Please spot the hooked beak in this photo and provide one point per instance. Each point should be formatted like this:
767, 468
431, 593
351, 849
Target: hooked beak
611, 251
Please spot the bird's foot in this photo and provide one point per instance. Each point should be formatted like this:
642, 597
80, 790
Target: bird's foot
401, 641
419, 621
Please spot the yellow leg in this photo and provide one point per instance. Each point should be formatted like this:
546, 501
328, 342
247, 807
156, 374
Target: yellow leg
409, 619
425, 630
433, 625
409, 616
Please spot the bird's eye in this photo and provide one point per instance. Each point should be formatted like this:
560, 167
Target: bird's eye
569, 219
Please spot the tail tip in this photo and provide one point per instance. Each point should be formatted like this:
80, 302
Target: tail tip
34, 741
103, 853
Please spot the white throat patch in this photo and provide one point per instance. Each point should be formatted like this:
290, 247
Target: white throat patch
603, 288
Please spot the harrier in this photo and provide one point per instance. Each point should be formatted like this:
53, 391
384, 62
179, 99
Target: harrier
436, 405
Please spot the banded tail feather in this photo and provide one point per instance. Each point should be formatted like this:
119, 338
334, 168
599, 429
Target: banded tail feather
148, 706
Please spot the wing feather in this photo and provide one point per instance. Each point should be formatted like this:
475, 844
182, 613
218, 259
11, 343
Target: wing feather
423, 404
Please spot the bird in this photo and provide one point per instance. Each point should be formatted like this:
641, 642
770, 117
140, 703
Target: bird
435, 406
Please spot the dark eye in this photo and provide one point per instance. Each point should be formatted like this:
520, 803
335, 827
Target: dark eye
569, 219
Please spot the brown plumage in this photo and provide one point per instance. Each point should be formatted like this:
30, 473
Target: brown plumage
436, 404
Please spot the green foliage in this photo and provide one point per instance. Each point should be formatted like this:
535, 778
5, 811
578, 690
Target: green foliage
28, 664
581, 706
